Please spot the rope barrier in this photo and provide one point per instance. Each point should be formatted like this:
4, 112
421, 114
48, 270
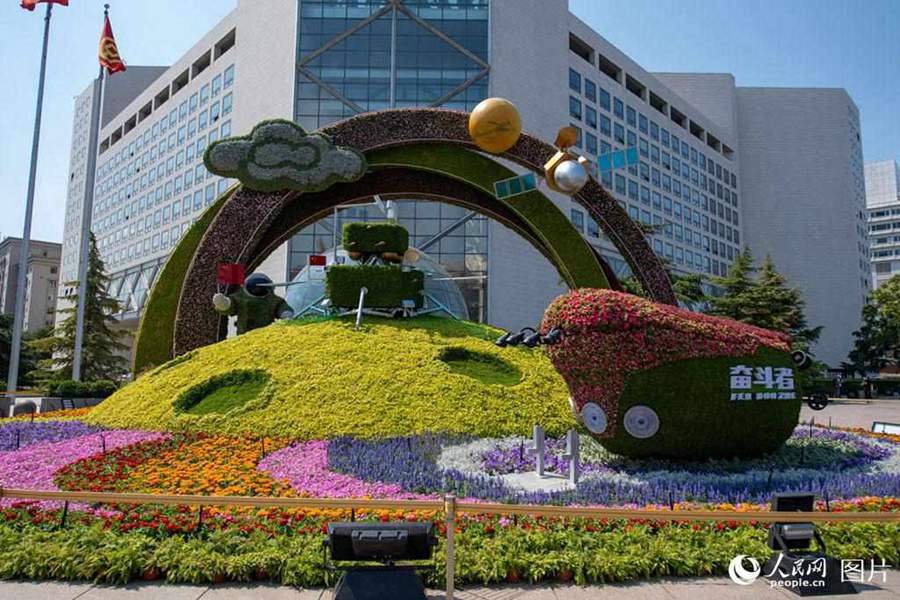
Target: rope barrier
571, 512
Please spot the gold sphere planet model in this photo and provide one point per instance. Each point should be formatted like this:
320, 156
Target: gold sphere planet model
495, 125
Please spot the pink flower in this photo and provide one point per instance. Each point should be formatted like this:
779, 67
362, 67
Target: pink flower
305, 468
34, 466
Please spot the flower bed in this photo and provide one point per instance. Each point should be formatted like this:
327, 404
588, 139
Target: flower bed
34, 467
835, 464
19, 434
119, 543
305, 467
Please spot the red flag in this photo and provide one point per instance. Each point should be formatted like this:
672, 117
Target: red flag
109, 52
32, 4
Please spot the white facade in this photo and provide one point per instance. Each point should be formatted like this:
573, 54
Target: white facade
691, 183
803, 178
883, 203
803, 192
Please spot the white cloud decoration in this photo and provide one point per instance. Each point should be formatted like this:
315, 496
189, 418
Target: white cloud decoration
280, 155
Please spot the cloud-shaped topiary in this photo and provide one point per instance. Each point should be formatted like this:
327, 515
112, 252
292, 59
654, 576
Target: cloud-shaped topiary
280, 155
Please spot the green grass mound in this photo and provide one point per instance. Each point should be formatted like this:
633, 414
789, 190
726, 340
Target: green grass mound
395, 377
222, 393
486, 368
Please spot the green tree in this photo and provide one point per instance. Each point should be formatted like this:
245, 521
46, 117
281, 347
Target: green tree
877, 342
102, 349
887, 297
781, 308
28, 358
737, 299
765, 300
688, 289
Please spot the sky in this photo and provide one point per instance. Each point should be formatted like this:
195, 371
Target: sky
854, 44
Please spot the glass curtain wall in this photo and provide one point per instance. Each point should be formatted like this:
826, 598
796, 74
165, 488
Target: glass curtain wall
364, 55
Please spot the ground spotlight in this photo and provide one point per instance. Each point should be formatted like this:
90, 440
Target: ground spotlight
532, 340
503, 340
554, 336
387, 543
516, 338
802, 570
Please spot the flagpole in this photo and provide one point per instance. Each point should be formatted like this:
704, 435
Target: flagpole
87, 211
18, 322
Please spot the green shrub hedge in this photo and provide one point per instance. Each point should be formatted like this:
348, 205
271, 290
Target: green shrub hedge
375, 238
387, 286
80, 389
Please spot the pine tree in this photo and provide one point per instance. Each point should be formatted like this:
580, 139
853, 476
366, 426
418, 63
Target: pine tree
688, 289
781, 308
737, 301
765, 300
101, 350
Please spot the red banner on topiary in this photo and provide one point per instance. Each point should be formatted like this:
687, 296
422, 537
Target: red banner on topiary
231, 274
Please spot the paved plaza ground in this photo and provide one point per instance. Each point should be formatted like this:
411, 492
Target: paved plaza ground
845, 412
699, 588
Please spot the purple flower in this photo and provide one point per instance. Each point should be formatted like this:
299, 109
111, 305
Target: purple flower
19, 434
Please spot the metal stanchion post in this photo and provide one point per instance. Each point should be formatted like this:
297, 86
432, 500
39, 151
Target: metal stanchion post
450, 519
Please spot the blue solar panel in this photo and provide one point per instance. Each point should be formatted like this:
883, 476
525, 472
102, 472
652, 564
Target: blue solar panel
514, 185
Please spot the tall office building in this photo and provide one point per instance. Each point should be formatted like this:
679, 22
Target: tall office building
120, 90
319, 61
41, 281
883, 203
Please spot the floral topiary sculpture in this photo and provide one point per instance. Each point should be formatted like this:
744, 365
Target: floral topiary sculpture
649, 379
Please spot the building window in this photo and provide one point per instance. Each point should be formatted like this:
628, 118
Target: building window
591, 143
590, 116
604, 100
590, 90
578, 220
574, 80
226, 103
574, 108
228, 77
216, 85
605, 125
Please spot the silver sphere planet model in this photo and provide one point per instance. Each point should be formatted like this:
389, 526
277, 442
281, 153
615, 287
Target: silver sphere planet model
570, 176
